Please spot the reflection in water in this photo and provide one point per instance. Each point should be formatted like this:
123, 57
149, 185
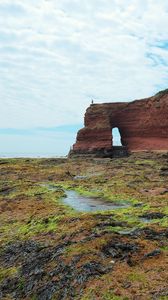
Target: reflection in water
82, 203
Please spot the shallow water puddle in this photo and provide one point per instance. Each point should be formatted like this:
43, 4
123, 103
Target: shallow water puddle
152, 217
145, 220
84, 203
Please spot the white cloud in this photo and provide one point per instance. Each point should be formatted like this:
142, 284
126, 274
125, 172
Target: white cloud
57, 55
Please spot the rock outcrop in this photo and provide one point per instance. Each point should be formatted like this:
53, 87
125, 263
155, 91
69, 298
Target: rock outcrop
143, 125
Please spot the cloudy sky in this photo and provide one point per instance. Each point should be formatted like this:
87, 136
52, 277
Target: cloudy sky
56, 55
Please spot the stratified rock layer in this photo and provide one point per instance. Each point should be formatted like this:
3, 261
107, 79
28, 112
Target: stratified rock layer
143, 125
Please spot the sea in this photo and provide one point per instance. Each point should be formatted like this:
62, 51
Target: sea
30, 155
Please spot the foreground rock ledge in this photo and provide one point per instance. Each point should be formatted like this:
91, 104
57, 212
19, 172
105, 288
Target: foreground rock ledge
143, 125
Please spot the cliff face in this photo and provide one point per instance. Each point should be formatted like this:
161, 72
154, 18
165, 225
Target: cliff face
143, 125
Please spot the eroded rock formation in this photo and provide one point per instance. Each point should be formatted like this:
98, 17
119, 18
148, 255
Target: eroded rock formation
143, 125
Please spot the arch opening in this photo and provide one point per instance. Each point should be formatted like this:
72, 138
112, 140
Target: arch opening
116, 137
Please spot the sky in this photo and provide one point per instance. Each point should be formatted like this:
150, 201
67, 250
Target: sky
57, 55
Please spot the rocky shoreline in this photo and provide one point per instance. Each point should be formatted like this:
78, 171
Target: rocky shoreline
50, 251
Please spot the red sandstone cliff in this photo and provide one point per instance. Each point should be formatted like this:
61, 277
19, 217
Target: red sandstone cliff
143, 125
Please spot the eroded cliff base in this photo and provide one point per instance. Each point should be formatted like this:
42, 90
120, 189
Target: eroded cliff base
114, 152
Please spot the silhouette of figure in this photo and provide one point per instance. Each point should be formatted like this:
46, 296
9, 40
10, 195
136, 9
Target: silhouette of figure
92, 101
